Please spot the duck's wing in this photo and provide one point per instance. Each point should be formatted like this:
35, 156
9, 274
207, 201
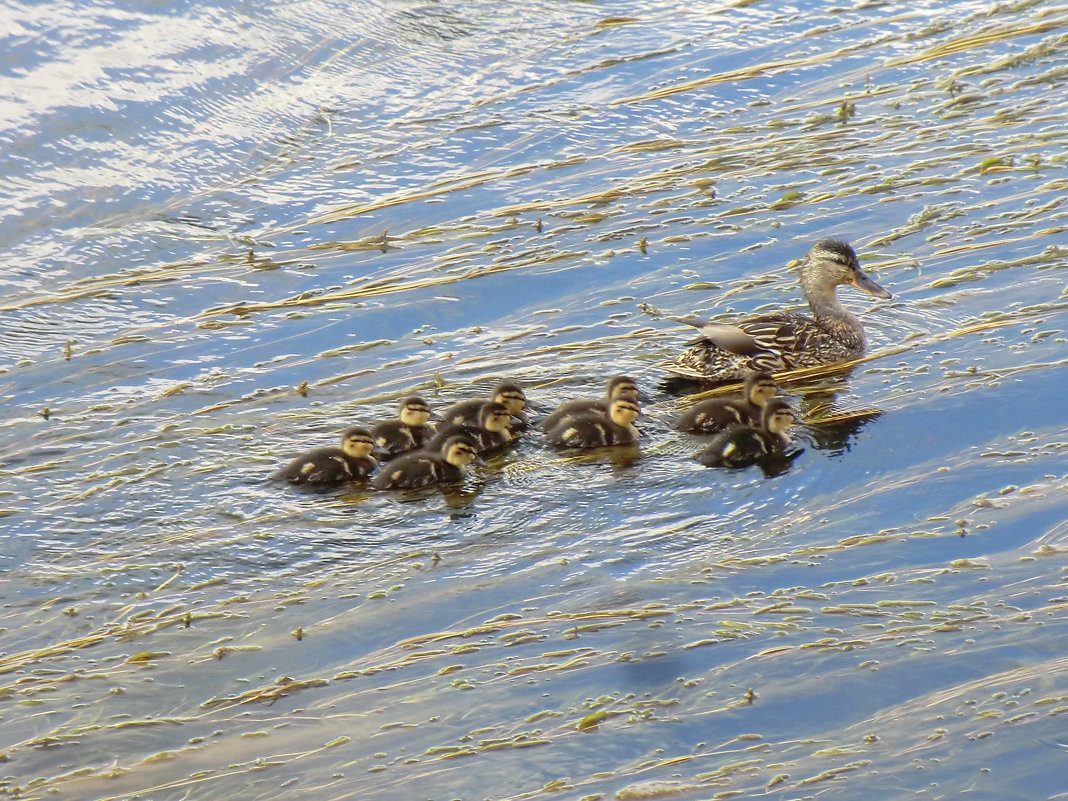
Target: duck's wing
731, 338
784, 332
411, 471
764, 339
464, 413
569, 410
328, 469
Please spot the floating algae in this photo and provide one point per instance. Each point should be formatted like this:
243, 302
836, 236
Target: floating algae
569, 627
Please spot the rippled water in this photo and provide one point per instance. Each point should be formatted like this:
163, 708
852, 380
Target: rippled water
208, 206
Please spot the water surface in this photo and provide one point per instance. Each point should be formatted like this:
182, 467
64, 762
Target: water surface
229, 232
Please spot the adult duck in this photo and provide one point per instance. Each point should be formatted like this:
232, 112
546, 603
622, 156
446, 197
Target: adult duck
786, 340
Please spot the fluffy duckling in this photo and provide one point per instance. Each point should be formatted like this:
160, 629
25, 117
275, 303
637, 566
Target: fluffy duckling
466, 413
716, 414
744, 445
425, 467
491, 433
618, 387
786, 340
596, 431
409, 431
351, 462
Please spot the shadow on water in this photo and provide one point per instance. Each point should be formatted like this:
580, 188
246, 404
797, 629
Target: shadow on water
836, 436
832, 420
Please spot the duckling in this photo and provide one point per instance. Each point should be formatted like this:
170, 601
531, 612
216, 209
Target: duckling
596, 431
786, 340
744, 445
351, 462
407, 432
716, 414
425, 467
466, 413
489, 434
618, 387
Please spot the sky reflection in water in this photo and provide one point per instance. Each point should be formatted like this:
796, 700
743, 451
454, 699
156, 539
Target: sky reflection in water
206, 207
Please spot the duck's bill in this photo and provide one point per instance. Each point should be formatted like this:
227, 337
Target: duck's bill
863, 281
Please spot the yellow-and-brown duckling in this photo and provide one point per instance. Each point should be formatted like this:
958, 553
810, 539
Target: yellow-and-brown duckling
425, 467
744, 445
786, 340
620, 386
716, 414
409, 431
593, 430
351, 462
491, 433
466, 413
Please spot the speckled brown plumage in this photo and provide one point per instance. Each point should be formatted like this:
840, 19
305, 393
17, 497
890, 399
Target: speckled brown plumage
786, 340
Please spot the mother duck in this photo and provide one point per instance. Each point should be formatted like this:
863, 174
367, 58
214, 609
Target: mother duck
785, 340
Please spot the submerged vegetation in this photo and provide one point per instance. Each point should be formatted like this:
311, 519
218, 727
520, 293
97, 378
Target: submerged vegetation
454, 194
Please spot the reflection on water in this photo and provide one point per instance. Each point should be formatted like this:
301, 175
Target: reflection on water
228, 236
834, 434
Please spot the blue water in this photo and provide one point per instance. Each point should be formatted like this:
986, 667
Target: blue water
203, 206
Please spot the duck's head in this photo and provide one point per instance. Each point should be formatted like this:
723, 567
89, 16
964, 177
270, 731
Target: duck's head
459, 451
414, 411
512, 396
495, 417
777, 417
760, 387
831, 262
357, 442
622, 386
624, 411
